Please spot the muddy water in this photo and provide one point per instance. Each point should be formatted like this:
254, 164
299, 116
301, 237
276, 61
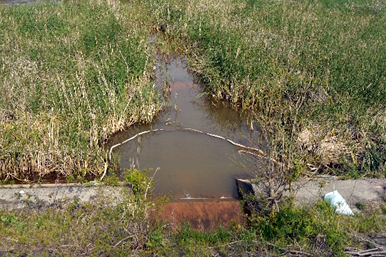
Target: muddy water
191, 165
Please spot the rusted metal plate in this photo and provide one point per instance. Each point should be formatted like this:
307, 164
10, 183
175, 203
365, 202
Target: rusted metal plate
204, 214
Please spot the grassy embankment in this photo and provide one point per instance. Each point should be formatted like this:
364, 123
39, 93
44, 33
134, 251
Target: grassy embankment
71, 75
312, 72
99, 229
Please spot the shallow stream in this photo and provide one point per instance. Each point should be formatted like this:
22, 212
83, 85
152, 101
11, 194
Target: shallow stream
191, 165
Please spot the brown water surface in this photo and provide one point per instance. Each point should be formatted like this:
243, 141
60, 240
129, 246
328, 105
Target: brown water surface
191, 165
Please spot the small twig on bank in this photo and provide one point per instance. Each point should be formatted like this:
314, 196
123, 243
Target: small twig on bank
229, 244
148, 184
371, 252
366, 240
288, 250
124, 239
21, 180
105, 170
377, 251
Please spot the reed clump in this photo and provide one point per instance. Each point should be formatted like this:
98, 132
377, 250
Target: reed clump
72, 74
300, 66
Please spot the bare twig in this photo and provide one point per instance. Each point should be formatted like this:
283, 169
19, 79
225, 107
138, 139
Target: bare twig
288, 250
371, 252
124, 239
257, 155
228, 244
366, 240
148, 184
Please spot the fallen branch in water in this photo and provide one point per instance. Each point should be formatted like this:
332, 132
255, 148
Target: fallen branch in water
124, 142
255, 151
258, 155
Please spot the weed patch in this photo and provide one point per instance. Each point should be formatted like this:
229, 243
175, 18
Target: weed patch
72, 74
298, 66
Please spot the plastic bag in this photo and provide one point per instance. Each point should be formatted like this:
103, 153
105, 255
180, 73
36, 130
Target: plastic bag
338, 202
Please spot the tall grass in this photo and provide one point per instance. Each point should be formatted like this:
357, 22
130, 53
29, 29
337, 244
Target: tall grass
71, 74
313, 72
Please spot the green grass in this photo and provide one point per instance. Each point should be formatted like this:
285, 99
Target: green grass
96, 228
71, 75
299, 66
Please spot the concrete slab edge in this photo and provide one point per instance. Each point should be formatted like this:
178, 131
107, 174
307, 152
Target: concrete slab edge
368, 192
37, 196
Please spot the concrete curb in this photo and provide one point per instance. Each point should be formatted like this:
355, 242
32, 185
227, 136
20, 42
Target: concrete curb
19, 197
370, 192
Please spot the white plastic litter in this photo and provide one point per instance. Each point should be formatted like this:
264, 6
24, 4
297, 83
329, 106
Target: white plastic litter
338, 202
